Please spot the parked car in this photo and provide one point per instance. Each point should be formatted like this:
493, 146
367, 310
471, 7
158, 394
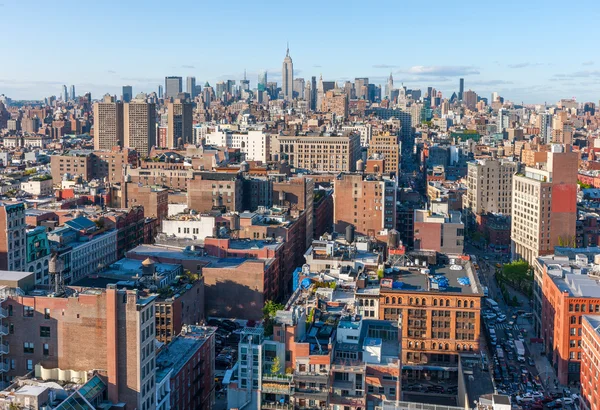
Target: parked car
530, 361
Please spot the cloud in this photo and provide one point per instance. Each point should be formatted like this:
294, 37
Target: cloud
440, 71
187, 66
587, 63
490, 82
384, 66
580, 74
523, 65
111, 71
143, 79
317, 66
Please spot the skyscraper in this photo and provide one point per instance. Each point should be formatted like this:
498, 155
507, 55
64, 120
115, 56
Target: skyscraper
73, 92
108, 123
191, 86
127, 93
139, 123
461, 89
389, 87
179, 123
287, 77
313, 93
262, 80
172, 86
361, 87
299, 88
65, 93
245, 83
160, 91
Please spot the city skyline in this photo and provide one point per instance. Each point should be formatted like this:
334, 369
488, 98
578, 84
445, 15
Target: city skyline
512, 60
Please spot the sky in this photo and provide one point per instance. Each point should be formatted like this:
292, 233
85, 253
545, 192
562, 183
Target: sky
528, 51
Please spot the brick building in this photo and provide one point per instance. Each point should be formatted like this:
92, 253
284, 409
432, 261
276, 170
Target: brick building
367, 202
13, 249
387, 145
590, 362
215, 190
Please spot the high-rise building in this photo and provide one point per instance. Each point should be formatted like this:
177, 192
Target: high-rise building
495, 96
336, 102
139, 119
461, 88
160, 91
545, 124
262, 81
287, 77
127, 93
503, 120
191, 86
245, 83
172, 87
386, 144
470, 99
299, 88
489, 188
544, 206
367, 203
72, 92
361, 87
12, 239
313, 93
65, 93
108, 123
179, 127
389, 87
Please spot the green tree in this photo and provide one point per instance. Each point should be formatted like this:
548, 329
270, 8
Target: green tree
269, 311
276, 366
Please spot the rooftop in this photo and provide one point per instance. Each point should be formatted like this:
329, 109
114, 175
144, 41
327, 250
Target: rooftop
181, 349
413, 280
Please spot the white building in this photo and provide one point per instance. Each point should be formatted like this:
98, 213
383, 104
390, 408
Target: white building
365, 130
88, 257
186, 226
254, 144
38, 186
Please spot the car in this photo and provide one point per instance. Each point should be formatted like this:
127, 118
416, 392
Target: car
537, 395
566, 400
524, 398
556, 404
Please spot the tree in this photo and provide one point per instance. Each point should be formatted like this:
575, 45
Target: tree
269, 311
276, 366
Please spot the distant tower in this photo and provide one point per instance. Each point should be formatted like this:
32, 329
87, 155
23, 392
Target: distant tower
389, 87
262, 80
160, 91
461, 89
287, 77
191, 86
73, 92
127, 93
313, 93
320, 92
65, 93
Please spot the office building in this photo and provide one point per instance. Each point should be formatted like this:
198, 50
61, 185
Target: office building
108, 123
367, 202
72, 93
361, 88
254, 144
180, 121
319, 153
544, 211
139, 118
287, 77
191, 86
489, 188
262, 81
160, 91
313, 93
173, 86
590, 362
389, 87
461, 89
13, 249
336, 102
65, 93
127, 93
299, 88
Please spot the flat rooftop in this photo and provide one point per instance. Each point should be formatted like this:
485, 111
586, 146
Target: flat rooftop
577, 285
11, 275
415, 281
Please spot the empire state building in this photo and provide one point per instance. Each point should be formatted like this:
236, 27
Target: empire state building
287, 77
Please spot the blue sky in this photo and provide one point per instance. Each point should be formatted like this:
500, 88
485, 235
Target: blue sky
531, 51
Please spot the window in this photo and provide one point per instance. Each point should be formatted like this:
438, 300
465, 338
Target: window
44, 331
392, 391
27, 311
29, 364
46, 349
28, 347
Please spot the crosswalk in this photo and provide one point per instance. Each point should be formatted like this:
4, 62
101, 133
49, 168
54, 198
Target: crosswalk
506, 326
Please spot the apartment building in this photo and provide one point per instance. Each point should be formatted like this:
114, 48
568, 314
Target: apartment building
367, 202
544, 211
386, 145
569, 290
179, 123
139, 123
89, 165
109, 329
38, 254
39, 186
489, 188
108, 123
365, 130
254, 144
326, 153
13, 247
215, 190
